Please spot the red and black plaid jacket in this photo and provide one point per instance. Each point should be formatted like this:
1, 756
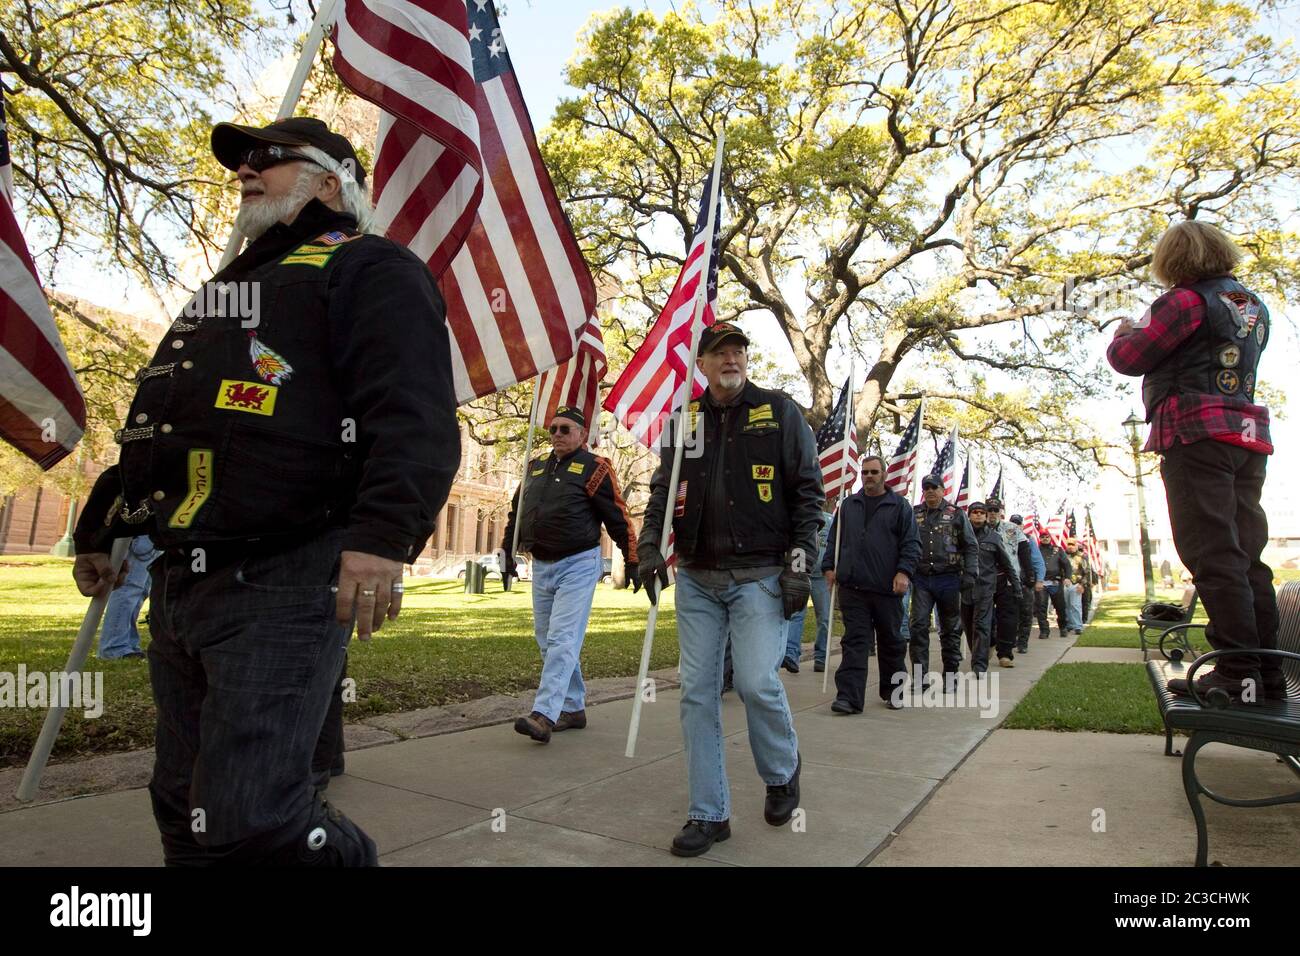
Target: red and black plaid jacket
1170, 322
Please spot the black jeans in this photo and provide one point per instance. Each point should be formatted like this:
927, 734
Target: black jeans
1057, 599
942, 591
245, 657
977, 622
1006, 617
1026, 612
869, 617
1220, 530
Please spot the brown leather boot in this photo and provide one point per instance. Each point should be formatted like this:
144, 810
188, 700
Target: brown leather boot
576, 719
535, 725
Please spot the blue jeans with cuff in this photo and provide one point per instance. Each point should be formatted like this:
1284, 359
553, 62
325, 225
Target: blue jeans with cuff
562, 595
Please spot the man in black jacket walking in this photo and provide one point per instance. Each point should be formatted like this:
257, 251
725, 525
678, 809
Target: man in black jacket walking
878, 548
289, 447
1056, 578
569, 494
947, 564
977, 599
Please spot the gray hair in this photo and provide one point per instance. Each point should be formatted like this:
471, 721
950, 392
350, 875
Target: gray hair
354, 196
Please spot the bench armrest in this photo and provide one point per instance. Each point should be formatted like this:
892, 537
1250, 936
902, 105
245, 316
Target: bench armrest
1177, 628
1269, 652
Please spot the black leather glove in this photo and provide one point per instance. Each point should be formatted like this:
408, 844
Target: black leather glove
633, 573
796, 588
650, 565
509, 569
967, 582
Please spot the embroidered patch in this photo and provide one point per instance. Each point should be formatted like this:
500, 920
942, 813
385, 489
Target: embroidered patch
764, 472
761, 427
334, 238
1230, 356
695, 415
1228, 382
946, 516
201, 478
317, 252
764, 491
269, 365
246, 397
539, 471
1244, 308
680, 510
1261, 332
760, 413
1250, 385
576, 467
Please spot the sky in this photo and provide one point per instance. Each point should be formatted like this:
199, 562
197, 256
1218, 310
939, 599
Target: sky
541, 36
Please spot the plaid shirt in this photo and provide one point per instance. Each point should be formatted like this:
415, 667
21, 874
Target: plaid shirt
1171, 321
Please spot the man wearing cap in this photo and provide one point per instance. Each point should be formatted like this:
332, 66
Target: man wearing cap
1006, 597
977, 598
289, 447
1074, 588
568, 494
949, 562
1031, 583
1056, 578
746, 511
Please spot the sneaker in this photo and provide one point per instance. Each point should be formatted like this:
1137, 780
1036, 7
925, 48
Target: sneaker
791, 665
1006, 662
570, 720
698, 835
1214, 681
819, 666
782, 800
535, 725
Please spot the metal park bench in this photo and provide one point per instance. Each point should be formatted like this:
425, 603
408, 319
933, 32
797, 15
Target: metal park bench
1272, 726
1172, 621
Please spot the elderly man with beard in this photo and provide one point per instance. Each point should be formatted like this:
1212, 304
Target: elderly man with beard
289, 447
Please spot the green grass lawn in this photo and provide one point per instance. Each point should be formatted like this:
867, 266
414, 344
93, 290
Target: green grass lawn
446, 647
1112, 698
1113, 625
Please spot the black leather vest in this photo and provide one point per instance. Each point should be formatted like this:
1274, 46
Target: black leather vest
1221, 356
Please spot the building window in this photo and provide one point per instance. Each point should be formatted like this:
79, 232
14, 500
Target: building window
1124, 546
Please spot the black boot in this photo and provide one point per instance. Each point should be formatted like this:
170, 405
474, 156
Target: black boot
782, 800
698, 836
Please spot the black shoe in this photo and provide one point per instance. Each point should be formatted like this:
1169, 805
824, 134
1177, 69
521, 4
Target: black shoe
791, 665
819, 666
698, 835
782, 800
843, 707
1215, 683
133, 655
1022, 648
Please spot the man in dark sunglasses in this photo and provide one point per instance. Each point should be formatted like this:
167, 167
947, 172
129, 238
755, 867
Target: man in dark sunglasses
568, 495
289, 459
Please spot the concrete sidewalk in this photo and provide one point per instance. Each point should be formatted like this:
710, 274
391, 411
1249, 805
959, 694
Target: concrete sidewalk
489, 796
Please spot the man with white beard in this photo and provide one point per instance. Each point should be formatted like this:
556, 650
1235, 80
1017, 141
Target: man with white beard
288, 448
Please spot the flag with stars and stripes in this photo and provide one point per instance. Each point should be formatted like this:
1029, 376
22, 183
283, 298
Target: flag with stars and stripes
1030, 524
42, 410
459, 180
945, 466
963, 490
837, 447
996, 492
648, 392
901, 470
576, 382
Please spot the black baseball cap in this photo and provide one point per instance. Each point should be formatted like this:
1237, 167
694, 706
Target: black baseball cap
1017, 519
719, 332
995, 504
931, 481
572, 414
230, 141
977, 506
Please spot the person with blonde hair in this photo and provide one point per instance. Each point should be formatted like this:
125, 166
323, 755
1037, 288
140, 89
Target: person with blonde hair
1197, 349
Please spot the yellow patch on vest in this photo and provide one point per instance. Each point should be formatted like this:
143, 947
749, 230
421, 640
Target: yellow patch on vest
764, 472
253, 397
760, 413
201, 478
576, 467
764, 491
310, 254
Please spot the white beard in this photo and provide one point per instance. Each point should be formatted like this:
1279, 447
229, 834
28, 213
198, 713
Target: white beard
731, 380
255, 219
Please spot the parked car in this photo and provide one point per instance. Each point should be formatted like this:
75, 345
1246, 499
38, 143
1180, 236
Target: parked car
491, 564
607, 569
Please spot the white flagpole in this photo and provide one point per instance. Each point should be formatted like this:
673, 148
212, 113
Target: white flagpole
76, 660
523, 479
839, 529
683, 418
324, 19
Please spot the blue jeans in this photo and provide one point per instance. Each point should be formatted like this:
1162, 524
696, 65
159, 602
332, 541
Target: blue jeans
119, 636
751, 615
562, 594
1073, 608
821, 599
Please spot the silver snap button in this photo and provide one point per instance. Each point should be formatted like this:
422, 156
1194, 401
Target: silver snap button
187, 364
141, 418
178, 343
159, 495
316, 839
166, 429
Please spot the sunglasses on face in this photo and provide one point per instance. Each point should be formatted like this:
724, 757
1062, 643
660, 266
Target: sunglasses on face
559, 429
870, 472
261, 158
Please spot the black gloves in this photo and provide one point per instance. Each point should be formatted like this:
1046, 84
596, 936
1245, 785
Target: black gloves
967, 582
633, 572
650, 565
509, 569
796, 588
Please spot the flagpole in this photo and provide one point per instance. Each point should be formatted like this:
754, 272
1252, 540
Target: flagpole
839, 529
315, 36
76, 660
679, 444
523, 479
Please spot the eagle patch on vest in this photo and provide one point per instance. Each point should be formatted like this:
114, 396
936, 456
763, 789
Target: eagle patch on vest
1227, 381
1245, 311
246, 397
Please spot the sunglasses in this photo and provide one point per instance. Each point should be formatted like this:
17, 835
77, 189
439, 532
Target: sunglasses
559, 429
261, 158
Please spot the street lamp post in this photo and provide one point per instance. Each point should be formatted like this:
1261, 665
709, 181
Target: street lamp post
1132, 423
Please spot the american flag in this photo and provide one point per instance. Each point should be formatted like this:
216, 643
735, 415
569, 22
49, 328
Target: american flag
1030, 524
646, 394
1093, 546
1071, 528
838, 452
945, 466
901, 470
458, 179
42, 410
577, 381
963, 490
1056, 526
996, 491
